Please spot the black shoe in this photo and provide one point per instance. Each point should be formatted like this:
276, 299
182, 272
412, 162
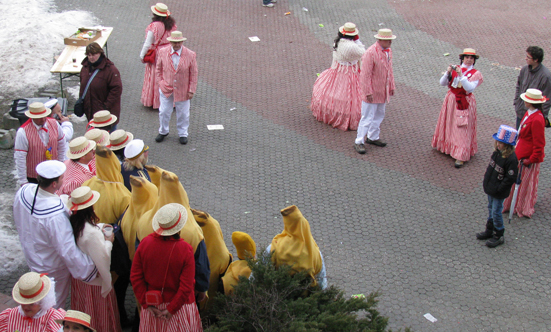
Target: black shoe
360, 148
496, 240
160, 138
183, 140
376, 142
488, 233
459, 163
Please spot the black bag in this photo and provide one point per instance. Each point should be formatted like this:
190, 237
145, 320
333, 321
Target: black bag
120, 260
79, 107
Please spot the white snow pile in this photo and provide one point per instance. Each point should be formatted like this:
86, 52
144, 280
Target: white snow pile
12, 256
30, 36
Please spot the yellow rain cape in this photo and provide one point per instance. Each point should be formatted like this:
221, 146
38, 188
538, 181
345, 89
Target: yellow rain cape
245, 247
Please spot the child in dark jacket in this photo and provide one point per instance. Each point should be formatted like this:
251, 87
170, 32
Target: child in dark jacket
500, 176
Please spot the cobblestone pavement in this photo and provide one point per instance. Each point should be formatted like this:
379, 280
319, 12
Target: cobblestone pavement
400, 220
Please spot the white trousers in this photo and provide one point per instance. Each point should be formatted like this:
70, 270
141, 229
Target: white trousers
62, 288
370, 123
165, 111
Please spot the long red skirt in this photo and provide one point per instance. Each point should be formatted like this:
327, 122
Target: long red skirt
527, 192
103, 310
187, 319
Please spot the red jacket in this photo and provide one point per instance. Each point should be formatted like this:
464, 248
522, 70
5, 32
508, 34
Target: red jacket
150, 265
531, 139
178, 81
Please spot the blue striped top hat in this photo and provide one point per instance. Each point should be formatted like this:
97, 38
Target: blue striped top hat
507, 135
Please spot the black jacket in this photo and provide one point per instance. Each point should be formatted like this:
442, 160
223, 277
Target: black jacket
500, 175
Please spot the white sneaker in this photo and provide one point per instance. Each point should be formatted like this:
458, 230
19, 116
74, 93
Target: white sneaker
268, 5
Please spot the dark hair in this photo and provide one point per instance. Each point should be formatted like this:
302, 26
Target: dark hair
173, 236
536, 53
93, 48
79, 219
45, 183
119, 153
339, 37
83, 327
168, 21
462, 56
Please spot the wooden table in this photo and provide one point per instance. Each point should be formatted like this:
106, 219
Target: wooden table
68, 64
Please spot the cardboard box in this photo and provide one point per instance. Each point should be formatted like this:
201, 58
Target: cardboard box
77, 40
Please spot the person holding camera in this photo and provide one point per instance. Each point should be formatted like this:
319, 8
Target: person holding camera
455, 132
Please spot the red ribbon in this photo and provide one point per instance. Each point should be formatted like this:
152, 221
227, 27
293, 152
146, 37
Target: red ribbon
75, 205
159, 231
34, 294
117, 144
386, 50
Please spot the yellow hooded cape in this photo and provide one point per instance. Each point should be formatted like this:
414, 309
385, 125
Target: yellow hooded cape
171, 191
295, 246
114, 197
155, 173
218, 253
144, 198
245, 247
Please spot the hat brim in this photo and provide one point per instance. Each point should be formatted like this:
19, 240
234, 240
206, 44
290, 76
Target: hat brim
90, 147
532, 101
34, 116
385, 38
95, 198
105, 124
176, 40
502, 141
16, 295
355, 33
159, 13
73, 320
177, 228
118, 147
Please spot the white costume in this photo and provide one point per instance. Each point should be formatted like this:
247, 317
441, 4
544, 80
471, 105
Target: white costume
47, 240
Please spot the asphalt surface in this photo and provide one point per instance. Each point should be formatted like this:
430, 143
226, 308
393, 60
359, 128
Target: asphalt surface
400, 220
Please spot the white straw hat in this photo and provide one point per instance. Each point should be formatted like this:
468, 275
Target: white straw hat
348, 29
160, 9
81, 198
37, 110
176, 36
31, 288
76, 317
79, 147
385, 34
119, 139
99, 136
533, 96
170, 219
102, 119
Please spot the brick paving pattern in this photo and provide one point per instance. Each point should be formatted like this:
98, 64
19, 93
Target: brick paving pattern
399, 219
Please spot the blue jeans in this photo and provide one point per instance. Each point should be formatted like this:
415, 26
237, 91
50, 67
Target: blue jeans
495, 206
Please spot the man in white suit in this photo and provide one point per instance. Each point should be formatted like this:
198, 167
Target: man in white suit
176, 74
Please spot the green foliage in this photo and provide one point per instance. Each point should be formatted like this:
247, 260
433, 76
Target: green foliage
273, 300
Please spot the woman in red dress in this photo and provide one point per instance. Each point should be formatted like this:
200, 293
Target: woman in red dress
530, 154
155, 36
455, 132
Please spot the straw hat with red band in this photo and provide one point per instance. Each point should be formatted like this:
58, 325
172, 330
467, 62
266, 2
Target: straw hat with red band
81, 198
176, 36
31, 288
170, 219
160, 9
348, 29
533, 96
79, 147
76, 317
37, 110
119, 139
102, 119
385, 34
471, 52
99, 136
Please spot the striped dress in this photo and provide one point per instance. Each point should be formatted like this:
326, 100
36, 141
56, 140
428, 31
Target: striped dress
13, 319
104, 311
337, 96
150, 89
449, 138
186, 319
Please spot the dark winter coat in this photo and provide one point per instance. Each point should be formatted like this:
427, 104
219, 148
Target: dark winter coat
105, 90
539, 78
500, 175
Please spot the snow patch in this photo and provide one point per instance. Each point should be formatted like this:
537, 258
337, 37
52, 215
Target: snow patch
12, 258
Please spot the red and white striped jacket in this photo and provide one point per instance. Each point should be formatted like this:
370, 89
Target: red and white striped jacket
13, 319
178, 81
376, 76
75, 175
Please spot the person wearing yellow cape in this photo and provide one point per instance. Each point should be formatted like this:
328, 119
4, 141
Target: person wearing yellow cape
246, 248
295, 246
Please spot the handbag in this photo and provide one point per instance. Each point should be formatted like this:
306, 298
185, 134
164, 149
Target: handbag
155, 297
462, 118
79, 105
152, 52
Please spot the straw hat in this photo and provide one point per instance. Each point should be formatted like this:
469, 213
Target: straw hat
37, 111
348, 29
176, 36
81, 198
160, 9
506, 134
79, 147
135, 148
50, 169
31, 288
99, 136
119, 139
533, 96
76, 317
170, 219
102, 119
385, 34
470, 51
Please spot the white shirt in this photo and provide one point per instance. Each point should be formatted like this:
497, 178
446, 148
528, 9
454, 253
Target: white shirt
175, 56
93, 243
467, 85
